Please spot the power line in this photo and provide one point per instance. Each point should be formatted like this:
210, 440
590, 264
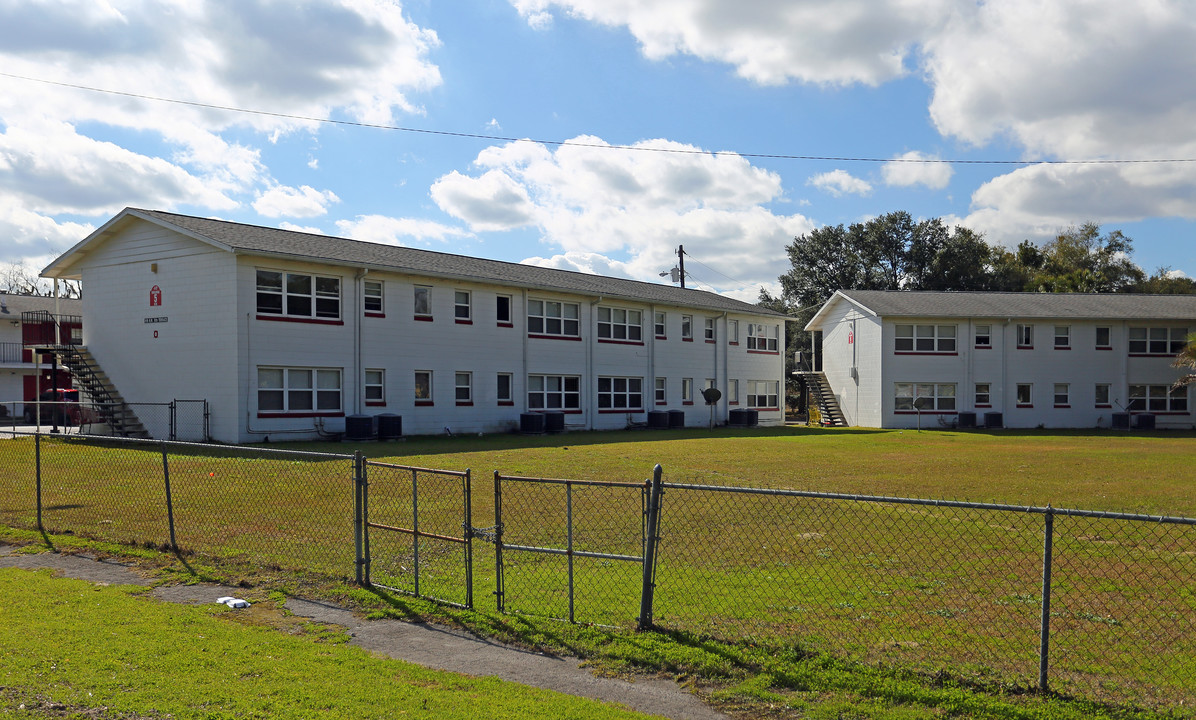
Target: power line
574, 143
716, 272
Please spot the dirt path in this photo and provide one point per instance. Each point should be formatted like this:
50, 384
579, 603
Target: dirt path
426, 644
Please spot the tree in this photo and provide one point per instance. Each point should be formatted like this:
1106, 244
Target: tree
18, 279
1082, 260
1164, 282
1187, 359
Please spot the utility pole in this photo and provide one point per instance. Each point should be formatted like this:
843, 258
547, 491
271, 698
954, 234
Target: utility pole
681, 264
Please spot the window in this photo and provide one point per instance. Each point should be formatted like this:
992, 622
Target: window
923, 397
303, 391
298, 295
1025, 337
502, 313
423, 302
620, 393
463, 388
1025, 395
709, 330
922, 338
462, 309
984, 336
423, 387
984, 397
762, 338
762, 394
733, 332
658, 321
1062, 337
1062, 395
505, 393
372, 298
1157, 340
1158, 399
552, 318
687, 327
732, 392
1104, 339
661, 396
375, 387
1102, 396
687, 391
620, 324
553, 392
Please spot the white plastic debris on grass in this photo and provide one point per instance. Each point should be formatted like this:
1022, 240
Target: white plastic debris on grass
232, 602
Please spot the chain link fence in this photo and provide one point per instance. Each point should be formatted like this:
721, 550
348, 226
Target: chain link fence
181, 420
1095, 605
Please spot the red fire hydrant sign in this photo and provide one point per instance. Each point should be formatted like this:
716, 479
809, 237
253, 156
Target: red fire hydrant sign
155, 296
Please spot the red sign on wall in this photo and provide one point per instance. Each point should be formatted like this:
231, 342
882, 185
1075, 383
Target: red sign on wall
155, 296
850, 337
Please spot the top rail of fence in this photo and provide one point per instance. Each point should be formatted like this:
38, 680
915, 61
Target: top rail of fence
155, 444
413, 468
558, 481
1029, 509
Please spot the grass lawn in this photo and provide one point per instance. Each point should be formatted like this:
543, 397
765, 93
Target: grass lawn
73, 649
918, 589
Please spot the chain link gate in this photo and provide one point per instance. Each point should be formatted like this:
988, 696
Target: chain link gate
421, 543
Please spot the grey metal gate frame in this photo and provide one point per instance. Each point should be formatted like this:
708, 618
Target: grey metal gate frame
365, 525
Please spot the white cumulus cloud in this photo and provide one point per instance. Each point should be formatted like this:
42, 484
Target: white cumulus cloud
302, 202
841, 182
916, 168
397, 231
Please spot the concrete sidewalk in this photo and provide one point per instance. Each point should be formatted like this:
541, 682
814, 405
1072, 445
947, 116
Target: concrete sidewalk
426, 644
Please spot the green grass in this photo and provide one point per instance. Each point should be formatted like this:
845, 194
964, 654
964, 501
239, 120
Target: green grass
924, 589
80, 650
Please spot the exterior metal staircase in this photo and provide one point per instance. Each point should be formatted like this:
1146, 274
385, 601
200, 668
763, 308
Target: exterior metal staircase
109, 406
824, 397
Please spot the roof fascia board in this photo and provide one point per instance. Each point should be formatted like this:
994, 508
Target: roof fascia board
816, 321
63, 264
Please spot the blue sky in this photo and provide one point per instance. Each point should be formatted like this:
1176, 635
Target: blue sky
701, 87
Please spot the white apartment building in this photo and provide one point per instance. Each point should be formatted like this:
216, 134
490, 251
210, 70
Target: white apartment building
900, 359
287, 333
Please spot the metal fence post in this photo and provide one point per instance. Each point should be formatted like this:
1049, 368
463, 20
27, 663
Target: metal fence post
650, 543
358, 525
468, 539
498, 579
367, 555
1045, 634
37, 451
569, 540
169, 498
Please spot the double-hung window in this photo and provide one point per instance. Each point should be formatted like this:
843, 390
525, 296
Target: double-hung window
924, 338
502, 312
658, 322
371, 298
984, 397
1062, 337
423, 302
552, 318
687, 391
462, 307
1158, 399
924, 397
687, 328
423, 387
302, 391
763, 394
762, 338
1102, 395
708, 331
732, 391
1104, 340
620, 324
1062, 395
1025, 395
732, 332
1025, 337
298, 295
553, 392
375, 387
505, 391
620, 393
463, 388
661, 394
984, 336
1157, 340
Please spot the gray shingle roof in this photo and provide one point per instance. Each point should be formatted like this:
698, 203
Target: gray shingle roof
897, 303
13, 305
257, 240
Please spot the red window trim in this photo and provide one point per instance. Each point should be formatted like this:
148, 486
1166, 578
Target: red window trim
464, 403
1063, 347
424, 403
272, 415
685, 339
911, 352
555, 337
620, 412
460, 321
1161, 412
733, 402
1031, 405
1104, 347
662, 337
1025, 347
621, 342
1063, 406
733, 342
506, 403
423, 318
989, 406
915, 412
711, 342
777, 409
375, 403
687, 402
1155, 355
772, 352
502, 323
375, 314
541, 411
306, 321
983, 347
659, 403
1103, 407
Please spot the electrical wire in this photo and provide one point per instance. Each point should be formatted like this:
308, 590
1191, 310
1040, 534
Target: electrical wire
597, 146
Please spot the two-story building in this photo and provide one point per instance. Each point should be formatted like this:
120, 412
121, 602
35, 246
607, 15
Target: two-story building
286, 333
900, 359
26, 321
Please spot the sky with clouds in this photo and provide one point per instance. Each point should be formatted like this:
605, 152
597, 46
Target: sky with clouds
599, 135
